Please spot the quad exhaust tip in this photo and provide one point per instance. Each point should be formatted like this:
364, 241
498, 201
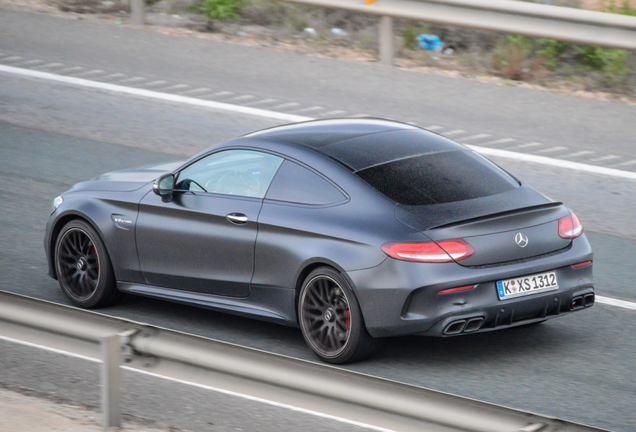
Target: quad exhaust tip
580, 302
473, 324
464, 326
455, 327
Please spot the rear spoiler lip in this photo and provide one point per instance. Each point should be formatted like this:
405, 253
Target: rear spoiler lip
497, 215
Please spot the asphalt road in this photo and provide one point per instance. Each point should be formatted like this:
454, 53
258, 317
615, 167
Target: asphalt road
579, 367
290, 82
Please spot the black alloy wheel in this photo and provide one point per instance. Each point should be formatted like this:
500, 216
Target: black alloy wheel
331, 320
83, 267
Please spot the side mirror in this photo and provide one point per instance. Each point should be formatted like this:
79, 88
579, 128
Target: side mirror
164, 187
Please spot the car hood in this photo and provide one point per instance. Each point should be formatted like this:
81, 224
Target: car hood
490, 224
142, 174
126, 180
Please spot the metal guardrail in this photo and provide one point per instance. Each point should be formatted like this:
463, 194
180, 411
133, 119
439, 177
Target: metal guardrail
508, 16
516, 17
282, 380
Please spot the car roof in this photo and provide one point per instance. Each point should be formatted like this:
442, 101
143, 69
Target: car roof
360, 143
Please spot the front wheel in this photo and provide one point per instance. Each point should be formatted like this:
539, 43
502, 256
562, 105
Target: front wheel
331, 320
83, 267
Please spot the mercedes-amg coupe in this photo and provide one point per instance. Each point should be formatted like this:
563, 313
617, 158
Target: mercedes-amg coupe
352, 229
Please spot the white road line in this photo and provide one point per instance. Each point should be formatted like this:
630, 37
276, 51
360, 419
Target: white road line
153, 83
92, 72
474, 137
312, 108
631, 162
580, 153
113, 76
612, 172
615, 302
70, 69
152, 94
205, 387
527, 145
222, 93
286, 105
242, 98
45, 348
265, 401
604, 158
500, 141
12, 59
296, 118
28, 63
454, 132
433, 128
334, 113
131, 80
175, 87
262, 102
552, 149
194, 91
49, 66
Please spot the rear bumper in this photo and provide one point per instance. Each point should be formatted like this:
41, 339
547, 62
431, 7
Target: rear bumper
524, 312
400, 298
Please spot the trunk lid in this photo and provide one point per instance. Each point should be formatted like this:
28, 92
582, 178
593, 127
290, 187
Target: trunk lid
516, 225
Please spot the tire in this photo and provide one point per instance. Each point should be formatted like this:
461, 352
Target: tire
331, 320
83, 267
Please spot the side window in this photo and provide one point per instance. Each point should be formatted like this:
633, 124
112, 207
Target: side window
296, 184
232, 172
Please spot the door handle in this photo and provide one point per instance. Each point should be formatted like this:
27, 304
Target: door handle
237, 218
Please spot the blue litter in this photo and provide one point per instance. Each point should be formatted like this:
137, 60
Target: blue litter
430, 42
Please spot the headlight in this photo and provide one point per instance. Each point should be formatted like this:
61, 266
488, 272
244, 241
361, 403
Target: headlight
56, 203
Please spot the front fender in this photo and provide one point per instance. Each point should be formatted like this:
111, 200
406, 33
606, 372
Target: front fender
113, 215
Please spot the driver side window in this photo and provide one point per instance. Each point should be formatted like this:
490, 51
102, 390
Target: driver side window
231, 172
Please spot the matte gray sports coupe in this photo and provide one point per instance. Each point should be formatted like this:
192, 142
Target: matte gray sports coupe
353, 230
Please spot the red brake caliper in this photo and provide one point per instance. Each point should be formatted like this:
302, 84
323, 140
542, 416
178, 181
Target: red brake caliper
347, 318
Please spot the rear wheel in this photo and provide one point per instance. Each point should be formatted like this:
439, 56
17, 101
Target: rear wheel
83, 267
331, 320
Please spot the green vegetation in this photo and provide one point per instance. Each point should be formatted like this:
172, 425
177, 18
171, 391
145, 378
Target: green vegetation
515, 57
554, 52
219, 9
624, 9
605, 59
410, 32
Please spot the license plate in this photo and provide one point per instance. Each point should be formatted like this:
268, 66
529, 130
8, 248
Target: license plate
527, 285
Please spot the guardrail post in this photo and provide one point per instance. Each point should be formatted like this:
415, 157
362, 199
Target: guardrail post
386, 40
137, 12
111, 383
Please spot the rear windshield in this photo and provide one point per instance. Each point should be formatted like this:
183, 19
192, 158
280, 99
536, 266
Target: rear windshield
438, 178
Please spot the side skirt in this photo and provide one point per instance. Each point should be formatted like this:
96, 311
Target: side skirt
268, 304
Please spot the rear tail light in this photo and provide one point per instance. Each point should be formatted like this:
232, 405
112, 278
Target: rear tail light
582, 264
430, 251
570, 227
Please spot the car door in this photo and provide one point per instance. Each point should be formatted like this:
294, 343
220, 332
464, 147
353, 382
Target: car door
203, 239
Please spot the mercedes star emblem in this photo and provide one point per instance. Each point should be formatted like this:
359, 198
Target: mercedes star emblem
521, 239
